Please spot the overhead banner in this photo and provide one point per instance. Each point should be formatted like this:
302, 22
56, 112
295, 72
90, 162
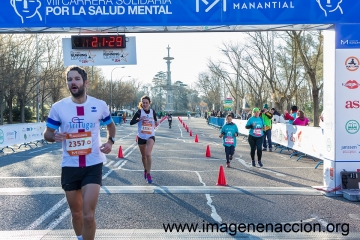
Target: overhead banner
100, 57
93, 13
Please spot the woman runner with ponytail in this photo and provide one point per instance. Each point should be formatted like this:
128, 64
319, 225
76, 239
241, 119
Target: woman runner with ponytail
146, 119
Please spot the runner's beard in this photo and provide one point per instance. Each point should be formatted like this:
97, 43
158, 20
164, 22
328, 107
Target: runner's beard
79, 93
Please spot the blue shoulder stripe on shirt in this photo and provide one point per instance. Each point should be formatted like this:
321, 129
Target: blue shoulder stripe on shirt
107, 120
53, 122
52, 126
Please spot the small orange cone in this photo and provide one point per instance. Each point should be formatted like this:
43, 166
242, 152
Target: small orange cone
190, 133
208, 154
196, 138
221, 178
120, 153
136, 139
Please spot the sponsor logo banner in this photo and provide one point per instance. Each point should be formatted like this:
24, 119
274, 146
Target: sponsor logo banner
93, 13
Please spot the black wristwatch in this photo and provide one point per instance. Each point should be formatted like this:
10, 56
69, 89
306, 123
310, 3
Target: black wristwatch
111, 139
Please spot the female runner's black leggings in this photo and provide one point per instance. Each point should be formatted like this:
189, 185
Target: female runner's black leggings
255, 144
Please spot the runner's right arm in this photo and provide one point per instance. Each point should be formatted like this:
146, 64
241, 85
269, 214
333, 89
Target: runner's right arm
249, 124
51, 135
136, 118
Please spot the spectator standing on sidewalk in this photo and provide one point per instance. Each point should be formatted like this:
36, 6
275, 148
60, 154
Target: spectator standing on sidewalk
301, 120
124, 116
267, 118
292, 116
277, 117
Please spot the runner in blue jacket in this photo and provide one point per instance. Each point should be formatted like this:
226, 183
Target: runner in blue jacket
256, 136
229, 132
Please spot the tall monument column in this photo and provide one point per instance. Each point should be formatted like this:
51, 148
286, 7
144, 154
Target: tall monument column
169, 106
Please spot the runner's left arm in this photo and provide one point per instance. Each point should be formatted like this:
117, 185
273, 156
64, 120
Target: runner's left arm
111, 130
155, 118
236, 131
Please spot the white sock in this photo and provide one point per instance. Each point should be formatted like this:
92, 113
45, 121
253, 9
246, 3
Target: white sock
80, 237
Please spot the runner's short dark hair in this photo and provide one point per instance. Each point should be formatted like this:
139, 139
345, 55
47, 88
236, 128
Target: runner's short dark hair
80, 70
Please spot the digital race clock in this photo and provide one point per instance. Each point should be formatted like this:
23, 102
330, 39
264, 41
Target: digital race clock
98, 41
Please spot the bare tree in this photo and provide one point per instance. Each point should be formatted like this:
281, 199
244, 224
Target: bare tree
310, 48
51, 73
124, 93
209, 86
288, 72
8, 66
157, 91
230, 72
180, 98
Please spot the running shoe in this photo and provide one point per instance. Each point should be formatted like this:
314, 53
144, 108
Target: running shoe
228, 165
260, 163
145, 174
270, 149
230, 157
253, 163
149, 178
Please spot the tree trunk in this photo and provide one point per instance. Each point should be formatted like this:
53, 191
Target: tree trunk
315, 96
22, 111
9, 102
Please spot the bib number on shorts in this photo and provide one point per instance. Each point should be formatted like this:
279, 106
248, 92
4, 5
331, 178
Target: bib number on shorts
78, 143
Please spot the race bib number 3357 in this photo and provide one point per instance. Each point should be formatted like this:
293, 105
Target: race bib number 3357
78, 143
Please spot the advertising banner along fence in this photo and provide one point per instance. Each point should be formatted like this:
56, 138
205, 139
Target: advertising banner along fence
14, 134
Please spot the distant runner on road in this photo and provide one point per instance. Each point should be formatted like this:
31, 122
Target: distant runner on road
146, 119
169, 118
229, 132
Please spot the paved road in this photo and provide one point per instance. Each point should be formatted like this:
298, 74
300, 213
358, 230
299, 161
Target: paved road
184, 191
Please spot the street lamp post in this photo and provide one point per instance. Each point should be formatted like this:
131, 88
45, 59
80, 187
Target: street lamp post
123, 77
37, 80
111, 92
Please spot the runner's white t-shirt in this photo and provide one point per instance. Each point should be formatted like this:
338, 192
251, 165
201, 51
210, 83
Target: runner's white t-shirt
82, 124
146, 126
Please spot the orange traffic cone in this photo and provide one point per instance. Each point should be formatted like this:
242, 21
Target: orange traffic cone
208, 154
221, 178
136, 138
120, 153
196, 138
190, 133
